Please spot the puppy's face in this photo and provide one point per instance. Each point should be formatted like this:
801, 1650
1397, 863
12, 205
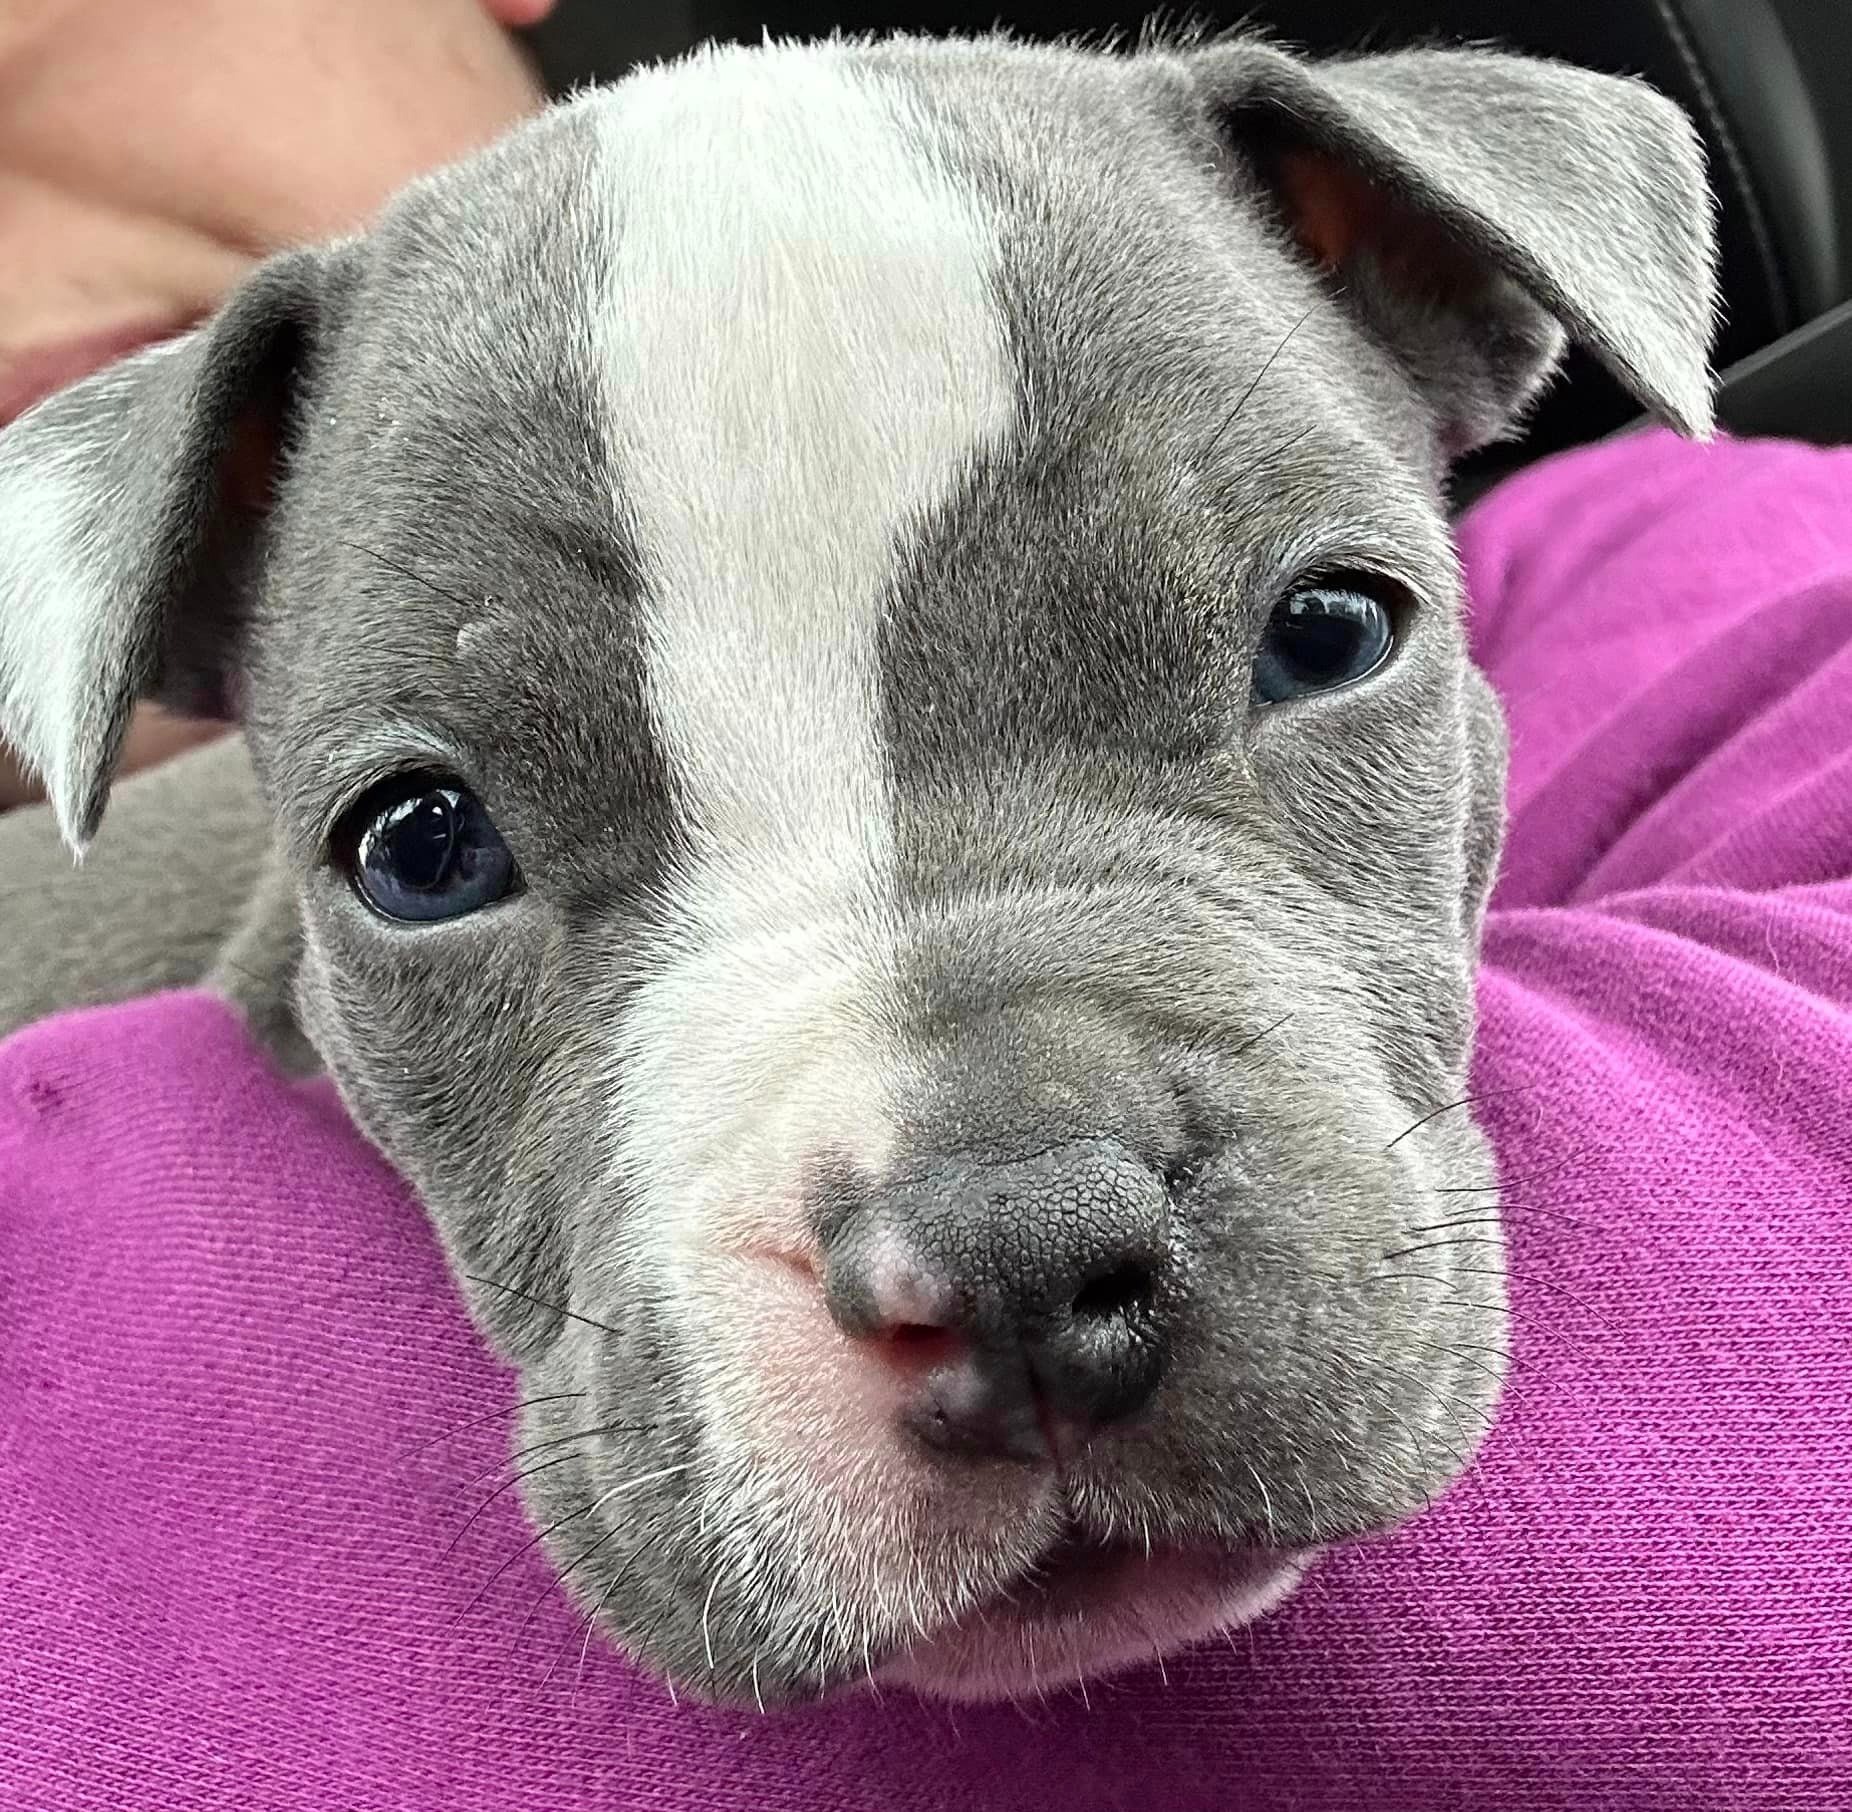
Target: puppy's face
857, 657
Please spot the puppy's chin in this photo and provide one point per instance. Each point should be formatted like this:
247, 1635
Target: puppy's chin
1089, 1610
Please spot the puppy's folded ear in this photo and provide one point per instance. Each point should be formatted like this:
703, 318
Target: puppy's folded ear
1473, 205
132, 510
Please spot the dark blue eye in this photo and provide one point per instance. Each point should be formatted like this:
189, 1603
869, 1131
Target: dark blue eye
425, 849
1321, 636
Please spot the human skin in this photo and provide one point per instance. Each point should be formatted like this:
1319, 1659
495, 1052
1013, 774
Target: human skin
151, 153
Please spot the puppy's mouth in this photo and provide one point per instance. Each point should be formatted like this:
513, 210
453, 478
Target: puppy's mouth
1078, 1572
1090, 1606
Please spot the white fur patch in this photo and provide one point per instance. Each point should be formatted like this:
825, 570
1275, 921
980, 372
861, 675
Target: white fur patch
51, 603
801, 353
73, 527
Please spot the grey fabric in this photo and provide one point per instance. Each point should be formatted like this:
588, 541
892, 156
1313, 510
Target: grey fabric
154, 905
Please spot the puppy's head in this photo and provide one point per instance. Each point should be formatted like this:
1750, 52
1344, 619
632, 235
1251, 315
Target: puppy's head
857, 655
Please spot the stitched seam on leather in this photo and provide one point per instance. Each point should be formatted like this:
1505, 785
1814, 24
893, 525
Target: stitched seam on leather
1686, 47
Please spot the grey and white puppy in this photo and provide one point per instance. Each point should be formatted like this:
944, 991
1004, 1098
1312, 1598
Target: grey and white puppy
855, 664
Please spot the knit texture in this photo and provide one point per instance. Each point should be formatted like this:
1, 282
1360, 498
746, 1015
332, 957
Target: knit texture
245, 1417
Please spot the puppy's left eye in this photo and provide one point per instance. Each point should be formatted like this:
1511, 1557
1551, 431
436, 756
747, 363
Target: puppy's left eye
1321, 635
420, 847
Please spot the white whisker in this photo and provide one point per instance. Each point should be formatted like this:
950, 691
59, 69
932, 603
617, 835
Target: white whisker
707, 1633
1266, 1504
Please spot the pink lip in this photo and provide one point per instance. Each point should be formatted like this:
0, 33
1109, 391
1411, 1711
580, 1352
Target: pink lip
35, 374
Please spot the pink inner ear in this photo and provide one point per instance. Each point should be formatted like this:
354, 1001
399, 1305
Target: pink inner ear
1326, 205
1337, 214
247, 473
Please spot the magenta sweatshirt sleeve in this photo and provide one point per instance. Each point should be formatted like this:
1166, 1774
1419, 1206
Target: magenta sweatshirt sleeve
228, 1348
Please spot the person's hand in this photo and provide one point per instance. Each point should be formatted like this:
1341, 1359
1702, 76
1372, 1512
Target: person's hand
151, 153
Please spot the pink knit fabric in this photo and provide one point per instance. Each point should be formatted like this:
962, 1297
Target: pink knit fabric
228, 1347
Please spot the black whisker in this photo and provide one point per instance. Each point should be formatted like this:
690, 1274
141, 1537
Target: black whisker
591, 1617
642, 1647
527, 1616
1547, 1283
1285, 447
1519, 1314
1479, 1346
1374, 1388
476, 1422
507, 1484
1562, 1290
417, 578
1446, 1402
1522, 1316
1414, 1440
1504, 1381
1492, 1094
256, 977
1242, 1050
1504, 1217
1234, 414
565, 1573
540, 1302
1436, 1245
533, 1541
578, 1434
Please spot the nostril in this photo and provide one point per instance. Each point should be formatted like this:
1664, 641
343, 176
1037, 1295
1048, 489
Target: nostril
913, 1345
1115, 1294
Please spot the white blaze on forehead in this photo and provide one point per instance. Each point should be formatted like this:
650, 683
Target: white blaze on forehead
802, 352
801, 355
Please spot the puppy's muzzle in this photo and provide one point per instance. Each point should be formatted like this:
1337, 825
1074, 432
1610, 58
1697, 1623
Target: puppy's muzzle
1024, 1305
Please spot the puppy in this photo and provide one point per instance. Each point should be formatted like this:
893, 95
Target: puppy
855, 670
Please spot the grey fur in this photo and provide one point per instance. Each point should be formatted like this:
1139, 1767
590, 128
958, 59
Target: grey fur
155, 903
1122, 900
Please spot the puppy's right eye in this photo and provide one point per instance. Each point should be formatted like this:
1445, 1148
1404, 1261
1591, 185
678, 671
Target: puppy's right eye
420, 847
1322, 635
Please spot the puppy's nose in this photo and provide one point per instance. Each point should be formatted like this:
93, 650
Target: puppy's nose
1026, 1302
